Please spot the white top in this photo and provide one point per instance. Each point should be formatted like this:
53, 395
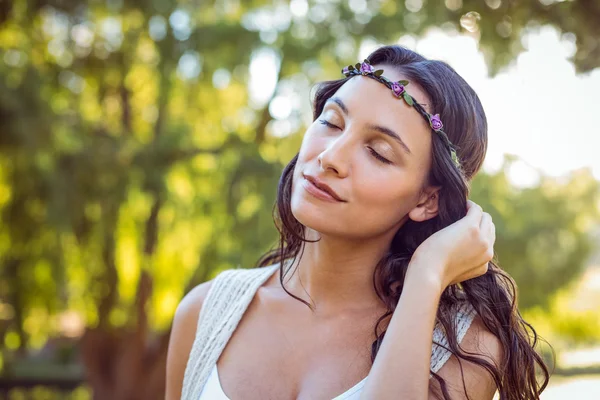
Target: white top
228, 298
214, 391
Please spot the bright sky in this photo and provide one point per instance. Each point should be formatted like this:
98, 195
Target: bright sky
537, 108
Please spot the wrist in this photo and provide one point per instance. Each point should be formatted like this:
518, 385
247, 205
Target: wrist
426, 273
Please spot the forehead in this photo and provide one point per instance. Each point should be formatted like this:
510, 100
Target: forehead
370, 102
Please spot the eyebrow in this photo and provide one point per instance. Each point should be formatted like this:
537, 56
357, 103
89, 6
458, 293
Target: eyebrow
378, 128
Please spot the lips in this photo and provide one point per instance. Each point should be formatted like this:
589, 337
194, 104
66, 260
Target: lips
320, 186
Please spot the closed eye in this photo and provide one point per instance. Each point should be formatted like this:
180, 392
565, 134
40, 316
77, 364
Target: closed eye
328, 124
379, 156
371, 150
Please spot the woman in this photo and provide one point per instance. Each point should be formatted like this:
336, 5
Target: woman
382, 286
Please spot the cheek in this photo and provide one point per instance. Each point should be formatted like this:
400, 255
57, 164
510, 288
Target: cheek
312, 145
386, 198
307, 154
304, 156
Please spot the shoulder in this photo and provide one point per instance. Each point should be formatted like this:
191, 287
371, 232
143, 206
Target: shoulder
191, 304
221, 294
477, 380
182, 337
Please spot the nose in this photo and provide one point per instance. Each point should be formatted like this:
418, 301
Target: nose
336, 156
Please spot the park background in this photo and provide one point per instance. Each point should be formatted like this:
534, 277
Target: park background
141, 143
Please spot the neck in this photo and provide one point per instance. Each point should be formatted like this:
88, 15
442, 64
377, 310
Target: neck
336, 275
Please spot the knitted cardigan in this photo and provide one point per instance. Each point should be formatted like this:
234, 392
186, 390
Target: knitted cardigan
228, 298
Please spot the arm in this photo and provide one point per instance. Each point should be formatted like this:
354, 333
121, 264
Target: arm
401, 368
454, 254
182, 337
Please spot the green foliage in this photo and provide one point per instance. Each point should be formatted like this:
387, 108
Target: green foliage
542, 233
570, 321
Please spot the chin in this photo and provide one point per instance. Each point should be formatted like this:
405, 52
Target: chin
313, 215
309, 214
315, 224
326, 223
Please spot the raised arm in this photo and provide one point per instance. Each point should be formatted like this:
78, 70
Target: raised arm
182, 338
401, 369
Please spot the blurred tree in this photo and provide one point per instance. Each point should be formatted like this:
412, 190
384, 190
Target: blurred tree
131, 151
542, 232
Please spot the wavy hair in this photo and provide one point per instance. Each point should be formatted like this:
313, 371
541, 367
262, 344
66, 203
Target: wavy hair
492, 295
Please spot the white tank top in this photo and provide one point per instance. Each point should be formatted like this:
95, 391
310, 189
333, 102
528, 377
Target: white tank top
214, 391
228, 298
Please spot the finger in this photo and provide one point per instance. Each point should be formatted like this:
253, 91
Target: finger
474, 211
470, 204
461, 278
473, 207
476, 272
486, 221
483, 269
487, 228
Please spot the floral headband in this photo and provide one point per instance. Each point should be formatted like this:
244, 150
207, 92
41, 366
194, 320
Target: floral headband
398, 89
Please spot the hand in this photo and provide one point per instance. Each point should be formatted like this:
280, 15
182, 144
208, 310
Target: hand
459, 252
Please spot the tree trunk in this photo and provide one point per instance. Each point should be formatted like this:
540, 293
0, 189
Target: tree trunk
126, 363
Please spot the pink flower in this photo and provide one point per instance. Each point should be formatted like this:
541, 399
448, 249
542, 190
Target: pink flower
366, 68
436, 122
397, 88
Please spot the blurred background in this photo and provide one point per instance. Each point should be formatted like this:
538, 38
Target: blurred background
141, 143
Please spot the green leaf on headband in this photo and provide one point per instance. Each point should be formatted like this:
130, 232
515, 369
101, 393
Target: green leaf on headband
455, 158
357, 65
378, 72
403, 83
408, 99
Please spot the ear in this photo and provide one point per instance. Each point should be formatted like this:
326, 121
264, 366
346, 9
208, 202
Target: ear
427, 206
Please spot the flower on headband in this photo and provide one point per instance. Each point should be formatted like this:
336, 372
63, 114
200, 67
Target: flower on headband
366, 68
397, 88
346, 70
436, 122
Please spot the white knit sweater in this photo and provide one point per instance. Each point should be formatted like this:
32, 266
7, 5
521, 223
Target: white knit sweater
228, 298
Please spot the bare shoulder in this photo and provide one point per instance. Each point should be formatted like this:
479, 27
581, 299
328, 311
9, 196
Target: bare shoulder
478, 381
191, 304
182, 337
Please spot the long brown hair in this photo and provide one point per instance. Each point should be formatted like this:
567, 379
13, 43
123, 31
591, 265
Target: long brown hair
492, 295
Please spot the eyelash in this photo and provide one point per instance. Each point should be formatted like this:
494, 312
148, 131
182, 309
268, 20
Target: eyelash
373, 152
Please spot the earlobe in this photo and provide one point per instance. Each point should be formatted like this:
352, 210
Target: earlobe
427, 207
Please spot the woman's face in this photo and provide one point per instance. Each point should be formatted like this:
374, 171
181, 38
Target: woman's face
374, 152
